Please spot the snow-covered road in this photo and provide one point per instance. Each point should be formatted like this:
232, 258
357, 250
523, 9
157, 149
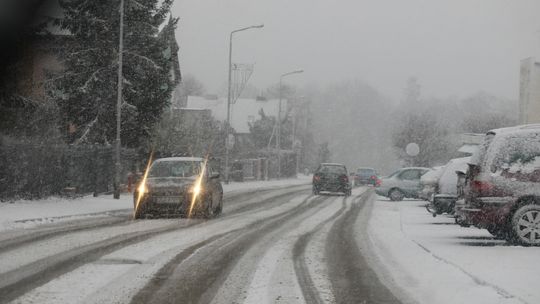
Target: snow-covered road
272, 244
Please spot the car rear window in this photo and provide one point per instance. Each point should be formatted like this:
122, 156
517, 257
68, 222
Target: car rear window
365, 172
515, 151
333, 169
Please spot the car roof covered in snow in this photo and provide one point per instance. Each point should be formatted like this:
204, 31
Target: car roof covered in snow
192, 159
420, 168
520, 128
332, 164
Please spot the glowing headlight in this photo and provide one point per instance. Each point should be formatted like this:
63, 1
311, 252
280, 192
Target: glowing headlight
195, 190
142, 188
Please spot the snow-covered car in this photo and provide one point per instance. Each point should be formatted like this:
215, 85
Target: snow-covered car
504, 185
430, 183
404, 183
444, 199
179, 186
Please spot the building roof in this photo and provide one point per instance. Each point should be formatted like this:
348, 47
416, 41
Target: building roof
243, 112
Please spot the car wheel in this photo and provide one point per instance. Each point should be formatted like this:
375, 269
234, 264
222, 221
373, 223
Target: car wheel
315, 191
219, 203
348, 192
209, 207
139, 212
526, 225
396, 195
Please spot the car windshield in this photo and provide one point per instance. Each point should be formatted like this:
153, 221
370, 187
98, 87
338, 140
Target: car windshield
175, 169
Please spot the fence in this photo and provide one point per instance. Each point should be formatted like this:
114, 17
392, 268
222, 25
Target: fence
32, 171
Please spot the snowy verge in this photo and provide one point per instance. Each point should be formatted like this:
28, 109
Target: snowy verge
27, 214
436, 261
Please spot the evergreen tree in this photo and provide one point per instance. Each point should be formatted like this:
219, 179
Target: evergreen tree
86, 91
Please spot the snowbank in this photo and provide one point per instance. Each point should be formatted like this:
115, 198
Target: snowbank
435, 261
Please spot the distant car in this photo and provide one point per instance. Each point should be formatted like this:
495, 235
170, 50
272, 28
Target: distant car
404, 183
331, 177
171, 185
503, 185
365, 176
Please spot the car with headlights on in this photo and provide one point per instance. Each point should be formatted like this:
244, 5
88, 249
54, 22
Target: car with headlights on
179, 186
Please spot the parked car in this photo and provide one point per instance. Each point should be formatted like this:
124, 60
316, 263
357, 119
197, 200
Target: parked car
503, 187
444, 199
365, 176
430, 183
331, 177
171, 185
404, 183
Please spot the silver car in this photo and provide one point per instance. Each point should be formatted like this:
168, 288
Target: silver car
403, 183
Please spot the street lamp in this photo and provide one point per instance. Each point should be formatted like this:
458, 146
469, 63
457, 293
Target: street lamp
118, 145
229, 97
278, 135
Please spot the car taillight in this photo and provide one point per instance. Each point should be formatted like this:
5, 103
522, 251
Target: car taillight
345, 178
378, 183
373, 177
316, 178
481, 186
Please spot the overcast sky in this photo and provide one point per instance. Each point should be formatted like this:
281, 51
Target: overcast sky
454, 47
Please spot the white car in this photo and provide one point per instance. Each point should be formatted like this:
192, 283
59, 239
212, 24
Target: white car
404, 183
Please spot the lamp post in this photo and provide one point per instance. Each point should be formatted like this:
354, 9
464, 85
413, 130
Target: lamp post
119, 105
278, 135
229, 97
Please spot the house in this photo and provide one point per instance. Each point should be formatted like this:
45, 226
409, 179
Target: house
529, 91
243, 112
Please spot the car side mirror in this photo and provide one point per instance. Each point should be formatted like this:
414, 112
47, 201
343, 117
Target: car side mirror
215, 175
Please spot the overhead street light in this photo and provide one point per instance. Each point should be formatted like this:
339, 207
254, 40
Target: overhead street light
229, 97
117, 143
278, 135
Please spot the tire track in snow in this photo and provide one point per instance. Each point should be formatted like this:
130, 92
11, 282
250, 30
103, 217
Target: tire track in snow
50, 231
353, 280
309, 290
17, 282
198, 278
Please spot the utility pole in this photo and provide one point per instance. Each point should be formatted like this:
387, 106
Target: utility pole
119, 105
278, 135
229, 99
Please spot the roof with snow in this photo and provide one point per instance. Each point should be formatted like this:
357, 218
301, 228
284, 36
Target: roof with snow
243, 112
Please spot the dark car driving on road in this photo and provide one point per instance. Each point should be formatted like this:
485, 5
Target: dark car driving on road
332, 178
179, 186
365, 176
